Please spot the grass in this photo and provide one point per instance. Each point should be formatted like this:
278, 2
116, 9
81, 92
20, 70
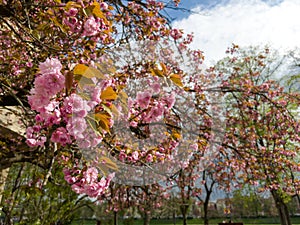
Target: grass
246, 221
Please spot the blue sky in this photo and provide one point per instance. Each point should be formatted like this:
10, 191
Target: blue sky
205, 4
217, 24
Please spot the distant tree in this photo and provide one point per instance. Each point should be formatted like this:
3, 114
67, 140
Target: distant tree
262, 136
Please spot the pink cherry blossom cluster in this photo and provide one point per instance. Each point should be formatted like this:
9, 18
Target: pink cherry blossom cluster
67, 114
87, 181
33, 137
90, 25
176, 33
46, 85
150, 106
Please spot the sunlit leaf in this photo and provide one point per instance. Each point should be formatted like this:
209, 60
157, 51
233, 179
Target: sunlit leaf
106, 164
157, 72
88, 72
103, 120
80, 69
97, 10
107, 67
176, 78
72, 4
55, 21
109, 94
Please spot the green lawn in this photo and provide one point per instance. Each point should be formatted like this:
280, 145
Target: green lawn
246, 221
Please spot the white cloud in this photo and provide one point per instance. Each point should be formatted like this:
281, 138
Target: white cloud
244, 22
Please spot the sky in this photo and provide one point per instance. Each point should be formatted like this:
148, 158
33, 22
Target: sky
217, 24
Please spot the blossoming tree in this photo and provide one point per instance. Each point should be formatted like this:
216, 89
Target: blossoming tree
262, 139
90, 96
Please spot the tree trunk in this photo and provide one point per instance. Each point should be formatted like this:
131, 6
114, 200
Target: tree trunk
205, 208
115, 218
3, 176
184, 209
174, 217
147, 218
282, 208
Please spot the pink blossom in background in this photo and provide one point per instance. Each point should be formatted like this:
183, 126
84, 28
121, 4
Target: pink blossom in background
149, 158
143, 99
76, 127
91, 27
72, 12
170, 100
156, 88
176, 33
33, 138
155, 113
89, 139
122, 156
104, 6
135, 155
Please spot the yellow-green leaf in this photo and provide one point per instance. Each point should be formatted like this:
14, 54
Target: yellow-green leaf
88, 72
107, 67
109, 94
72, 4
157, 72
97, 10
176, 78
80, 69
106, 164
55, 21
103, 120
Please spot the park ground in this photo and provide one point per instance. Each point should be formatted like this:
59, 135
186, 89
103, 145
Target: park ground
216, 221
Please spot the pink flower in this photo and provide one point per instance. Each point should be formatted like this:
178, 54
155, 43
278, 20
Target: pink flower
135, 155
156, 88
122, 156
32, 137
31, 142
72, 12
176, 33
170, 100
39, 118
83, 143
91, 27
61, 136
91, 175
149, 158
77, 188
155, 113
96, 95
76, 127
143, 99
38, 102
104, 6
75, 105
50, 66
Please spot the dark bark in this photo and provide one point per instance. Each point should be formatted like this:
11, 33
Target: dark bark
209, 190
13, 149
184, 209
174, 217
147, 218
115, 218
282, 208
